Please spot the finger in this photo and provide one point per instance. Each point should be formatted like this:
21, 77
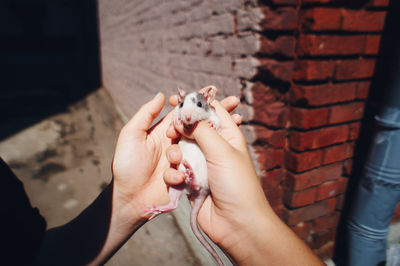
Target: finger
174, 154
237, 119
173, 177
173, 100
144, 117
208, 139
230, 103
172, 133
224, 116
229, 129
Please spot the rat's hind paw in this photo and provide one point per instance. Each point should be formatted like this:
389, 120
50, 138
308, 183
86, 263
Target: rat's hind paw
156, 210
151, 210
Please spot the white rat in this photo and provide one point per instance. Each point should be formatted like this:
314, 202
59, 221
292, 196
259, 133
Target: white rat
192, 108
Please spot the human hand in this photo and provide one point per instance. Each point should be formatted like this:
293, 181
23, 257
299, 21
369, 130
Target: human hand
232, 179
237, 216
139, 161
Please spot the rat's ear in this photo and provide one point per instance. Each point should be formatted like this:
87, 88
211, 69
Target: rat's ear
209, 93
181, 94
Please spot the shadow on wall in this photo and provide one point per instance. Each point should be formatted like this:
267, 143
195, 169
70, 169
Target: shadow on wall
49, 57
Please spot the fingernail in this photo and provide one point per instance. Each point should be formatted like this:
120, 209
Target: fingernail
172, 156
178, 176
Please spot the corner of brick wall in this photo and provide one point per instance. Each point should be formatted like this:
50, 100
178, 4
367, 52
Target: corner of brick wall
316, 61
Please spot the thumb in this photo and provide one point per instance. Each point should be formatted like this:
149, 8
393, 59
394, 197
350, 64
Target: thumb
144, 117
210, 142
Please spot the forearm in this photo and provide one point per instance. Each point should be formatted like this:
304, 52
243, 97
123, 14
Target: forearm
268, 241
92, 237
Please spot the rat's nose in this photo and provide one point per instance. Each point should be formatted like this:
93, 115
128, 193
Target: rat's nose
188, 117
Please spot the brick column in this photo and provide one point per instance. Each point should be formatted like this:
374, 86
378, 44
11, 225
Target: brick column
316, 62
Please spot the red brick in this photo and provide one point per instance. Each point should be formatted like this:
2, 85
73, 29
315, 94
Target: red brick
274, 196
317, 45
340, 202
347, 167
310, 212
326, 251
269, 110
354, 69
279, 210
269, 158
299, 198
277, 70
337, 153
284, 18
302, 230
321, 19
316, 1
300, 162
285, 2
262, 94
331, 189
346, 112
396, 214
372, 43
378, 3
362, 20
313, 69
308, 118
354, 130
363, 89
272, 179
272, 138
325, 223
318, 240
283, 45
273, 114
317, 95
314, 177
319, 138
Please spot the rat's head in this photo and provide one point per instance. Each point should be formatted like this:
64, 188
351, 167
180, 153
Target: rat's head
194, 107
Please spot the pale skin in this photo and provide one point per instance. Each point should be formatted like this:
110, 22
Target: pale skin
102, 228
238, 216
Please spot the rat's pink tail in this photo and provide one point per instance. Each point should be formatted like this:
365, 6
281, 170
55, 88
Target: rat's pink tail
198, 202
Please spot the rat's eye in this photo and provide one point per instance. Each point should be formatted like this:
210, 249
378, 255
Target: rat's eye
181, 105
199, 104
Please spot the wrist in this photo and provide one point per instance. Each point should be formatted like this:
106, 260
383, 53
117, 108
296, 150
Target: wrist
247, 245
126, 213
269, 241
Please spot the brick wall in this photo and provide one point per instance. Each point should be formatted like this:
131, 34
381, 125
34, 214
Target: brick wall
317, 58
151, 46
301, 68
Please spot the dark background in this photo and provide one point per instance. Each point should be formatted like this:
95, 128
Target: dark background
49, 57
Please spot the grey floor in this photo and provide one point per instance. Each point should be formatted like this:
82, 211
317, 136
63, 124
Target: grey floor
64, 162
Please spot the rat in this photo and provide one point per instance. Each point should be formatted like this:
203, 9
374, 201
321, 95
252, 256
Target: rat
192, 108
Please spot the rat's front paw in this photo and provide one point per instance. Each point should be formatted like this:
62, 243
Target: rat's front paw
212, 124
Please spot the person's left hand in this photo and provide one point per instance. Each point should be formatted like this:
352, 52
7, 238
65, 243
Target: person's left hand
140, 160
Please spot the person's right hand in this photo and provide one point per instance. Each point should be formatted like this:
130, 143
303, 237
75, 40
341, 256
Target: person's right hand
237, 216
232, 180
